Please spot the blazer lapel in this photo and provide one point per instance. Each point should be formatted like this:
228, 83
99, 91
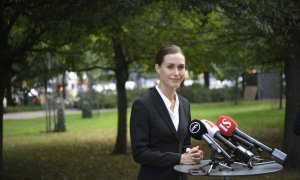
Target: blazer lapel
161, 107
181, 125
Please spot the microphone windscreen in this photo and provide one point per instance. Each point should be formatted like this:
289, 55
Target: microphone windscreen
212, 129
196, 129
226, 125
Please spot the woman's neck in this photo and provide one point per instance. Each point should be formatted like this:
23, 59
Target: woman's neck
169, 93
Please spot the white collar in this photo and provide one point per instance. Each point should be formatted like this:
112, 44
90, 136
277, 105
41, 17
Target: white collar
167, 101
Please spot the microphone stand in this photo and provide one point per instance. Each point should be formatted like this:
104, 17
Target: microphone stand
215, 161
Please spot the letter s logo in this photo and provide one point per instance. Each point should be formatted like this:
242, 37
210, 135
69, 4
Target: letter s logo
225, 125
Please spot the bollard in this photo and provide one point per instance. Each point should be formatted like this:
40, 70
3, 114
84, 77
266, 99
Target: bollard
86, 110
60, 125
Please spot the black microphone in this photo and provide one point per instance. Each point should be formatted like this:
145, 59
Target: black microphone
228, 127
240, 153
238, 140
198, 131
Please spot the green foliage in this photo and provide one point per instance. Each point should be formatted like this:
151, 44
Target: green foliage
20, 108
104, 100
195, 94
200, 94
134, 94
107, 100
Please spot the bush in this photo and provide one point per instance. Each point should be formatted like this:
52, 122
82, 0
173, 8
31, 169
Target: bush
134, 94
108, 99
199, 94
194, 93
104, 100
19, 108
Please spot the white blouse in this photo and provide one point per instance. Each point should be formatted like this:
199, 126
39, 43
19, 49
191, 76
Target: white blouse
174, 115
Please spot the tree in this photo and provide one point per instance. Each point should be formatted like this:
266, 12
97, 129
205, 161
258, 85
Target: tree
118, 45
24, 27
108, 44
12, 52
131, 37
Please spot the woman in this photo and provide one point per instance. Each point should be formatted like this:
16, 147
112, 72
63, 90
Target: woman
159, 121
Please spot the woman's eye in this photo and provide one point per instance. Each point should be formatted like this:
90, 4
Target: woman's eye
173, 66
180, 68
170, 66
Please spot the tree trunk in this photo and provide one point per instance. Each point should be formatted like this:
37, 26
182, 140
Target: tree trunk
121, 73
4, 78
206, 80
236, 89
2, 90
63, 82
292, 74
8, 95
281, 87
5, 67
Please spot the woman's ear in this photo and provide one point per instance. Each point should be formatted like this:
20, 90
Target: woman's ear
157, 68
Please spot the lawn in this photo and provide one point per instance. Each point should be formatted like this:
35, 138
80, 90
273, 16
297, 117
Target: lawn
84, 150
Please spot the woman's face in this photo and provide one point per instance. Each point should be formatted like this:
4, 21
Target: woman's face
171, 70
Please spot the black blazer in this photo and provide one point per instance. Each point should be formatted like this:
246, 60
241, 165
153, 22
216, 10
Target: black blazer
155, 144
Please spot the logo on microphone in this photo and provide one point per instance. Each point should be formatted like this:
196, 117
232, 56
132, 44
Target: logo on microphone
195, 127
225, 124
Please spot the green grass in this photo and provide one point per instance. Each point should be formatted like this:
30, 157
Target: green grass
84, 150
245, 114
74, 123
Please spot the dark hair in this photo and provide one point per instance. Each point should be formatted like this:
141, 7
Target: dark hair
165, 50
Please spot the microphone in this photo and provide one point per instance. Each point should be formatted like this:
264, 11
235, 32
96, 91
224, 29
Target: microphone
228, 127
213, 131
198, 131
242, 141
239, 152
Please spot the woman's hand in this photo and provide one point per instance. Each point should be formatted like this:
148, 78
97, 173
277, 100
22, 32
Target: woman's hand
192, 156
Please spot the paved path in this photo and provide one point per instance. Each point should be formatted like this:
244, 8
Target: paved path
34, 114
